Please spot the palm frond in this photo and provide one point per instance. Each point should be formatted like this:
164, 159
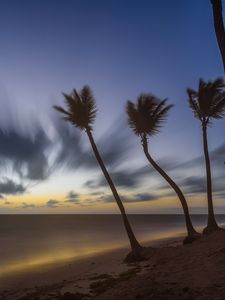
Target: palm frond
61, 110
209, 101
160, 105
133, 118
160, 115
147, 115
193, 103
217, 110
81, 108
88, 98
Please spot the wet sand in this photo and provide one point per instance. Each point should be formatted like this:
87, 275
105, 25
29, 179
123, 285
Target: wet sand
172, 271
69, 275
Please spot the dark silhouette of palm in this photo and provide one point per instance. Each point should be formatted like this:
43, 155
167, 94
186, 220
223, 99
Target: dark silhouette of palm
81, 112
208, 103
219, 27
145, 119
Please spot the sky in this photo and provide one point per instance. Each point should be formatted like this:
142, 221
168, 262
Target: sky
120, 49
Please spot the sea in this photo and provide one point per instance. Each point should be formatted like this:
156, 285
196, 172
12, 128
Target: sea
28, 241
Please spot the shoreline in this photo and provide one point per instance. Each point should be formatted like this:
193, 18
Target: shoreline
18, 268
69, 270
172, 271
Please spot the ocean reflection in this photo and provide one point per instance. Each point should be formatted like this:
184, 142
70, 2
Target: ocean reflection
38, 241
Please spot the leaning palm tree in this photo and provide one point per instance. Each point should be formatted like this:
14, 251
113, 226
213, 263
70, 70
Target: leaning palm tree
208, 103
145, 119
219, 27
81, 112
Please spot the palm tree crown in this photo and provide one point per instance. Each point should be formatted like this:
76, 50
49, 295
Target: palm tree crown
81, 108
147, 116
209, 101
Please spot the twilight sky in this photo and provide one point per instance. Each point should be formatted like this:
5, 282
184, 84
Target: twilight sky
120, 49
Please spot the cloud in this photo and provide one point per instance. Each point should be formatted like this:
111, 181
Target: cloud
218, 155
140, 197
36, 156
121, 178
29, 155
71, 154
114, 146
124, 178
117, 143
96, 193
217, 158
194, 185
8, 203
26, 154
72, 201
9, 187
26, 205
91, 184
52, 203
72, 195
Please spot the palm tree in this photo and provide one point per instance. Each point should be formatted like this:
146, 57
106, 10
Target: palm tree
145, 119
81, 112
219, 27
208, 103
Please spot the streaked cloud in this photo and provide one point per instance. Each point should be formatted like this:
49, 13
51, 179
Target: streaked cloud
9, 187
140, 197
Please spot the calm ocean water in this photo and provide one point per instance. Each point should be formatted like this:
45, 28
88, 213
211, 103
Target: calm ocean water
34, 240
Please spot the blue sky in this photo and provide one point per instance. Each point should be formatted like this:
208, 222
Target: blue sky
121, 49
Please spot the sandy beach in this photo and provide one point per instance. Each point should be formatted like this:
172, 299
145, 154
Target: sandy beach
83, 271
172, 271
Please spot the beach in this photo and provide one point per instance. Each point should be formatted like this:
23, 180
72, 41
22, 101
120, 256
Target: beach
31, 242
73, 276
62, 263
171, 271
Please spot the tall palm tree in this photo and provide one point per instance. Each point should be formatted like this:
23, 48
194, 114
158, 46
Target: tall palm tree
145, 119
208, 103
81, 112
219, 27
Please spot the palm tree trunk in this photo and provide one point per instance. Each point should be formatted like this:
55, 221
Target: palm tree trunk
212, 225
133, 241
190, 229
219, 27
